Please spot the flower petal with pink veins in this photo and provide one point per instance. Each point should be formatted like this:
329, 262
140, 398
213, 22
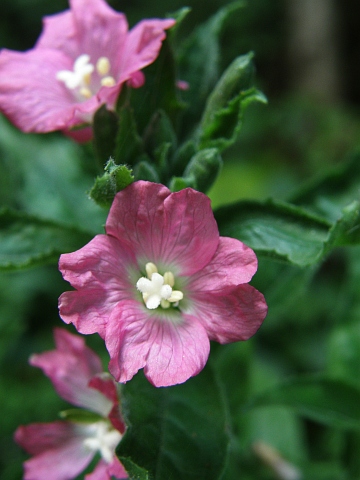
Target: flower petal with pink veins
171, 349
233, 263
104, 471
58, 448
231, 315
177, 230
59, 33
99, 272
30, 95
70, 367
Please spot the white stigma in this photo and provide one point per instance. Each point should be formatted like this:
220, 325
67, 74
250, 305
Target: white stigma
103, 439
81, 79
157, 289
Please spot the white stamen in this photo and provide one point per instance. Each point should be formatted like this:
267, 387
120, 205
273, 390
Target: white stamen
104, 439
103, 66
81, 74
157, 289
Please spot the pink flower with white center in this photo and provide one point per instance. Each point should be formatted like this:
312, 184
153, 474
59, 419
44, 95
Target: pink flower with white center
62, 450
160, 284
82, 58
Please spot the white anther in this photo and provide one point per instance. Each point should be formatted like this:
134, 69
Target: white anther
103, 66
153, 290
150, 269
85, 92
169, 279
107, 82
176, 296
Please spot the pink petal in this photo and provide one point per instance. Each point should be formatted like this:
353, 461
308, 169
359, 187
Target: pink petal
174, 230
100, 272
231, 315
100, 30
233, 263
104, 471
58, 449
30, 95
70, 367
59, 33
143, 44
105, 384
171, 349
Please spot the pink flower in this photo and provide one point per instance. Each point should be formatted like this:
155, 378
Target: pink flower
160, 284
79, 63
63, 449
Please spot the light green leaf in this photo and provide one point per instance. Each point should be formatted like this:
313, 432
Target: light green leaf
277, 230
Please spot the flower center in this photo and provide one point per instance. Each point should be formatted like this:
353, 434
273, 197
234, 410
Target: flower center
157, 289
81, 79
103, 439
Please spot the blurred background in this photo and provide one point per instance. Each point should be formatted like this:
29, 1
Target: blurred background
307, 55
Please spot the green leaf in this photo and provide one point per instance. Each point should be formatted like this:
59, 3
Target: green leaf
223, 115
144, 170
105, 126
28, 241
275, 229
199, 57
160, 91
333, 190
128, 141
203, 168
115, 178
177, 432
331, 402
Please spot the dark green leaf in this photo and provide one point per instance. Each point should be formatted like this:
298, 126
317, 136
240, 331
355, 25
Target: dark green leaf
328, 401
144, 170
105, 126
277, 230
128, 142
199, 58
328, 194
203, 169
28, 241
176, 432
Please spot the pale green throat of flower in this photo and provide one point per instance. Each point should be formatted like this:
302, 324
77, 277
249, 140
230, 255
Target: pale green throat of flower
157, 290
80, 78
103, 439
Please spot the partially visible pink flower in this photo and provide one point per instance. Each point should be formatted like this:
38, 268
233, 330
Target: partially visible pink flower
82, 58
160, 284
62, 450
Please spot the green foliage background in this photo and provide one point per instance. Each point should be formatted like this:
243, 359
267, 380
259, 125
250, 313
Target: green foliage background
294, 170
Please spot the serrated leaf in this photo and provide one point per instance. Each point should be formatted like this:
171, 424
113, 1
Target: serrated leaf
277, 230
176, 432
28, 241
225, 107
328, 401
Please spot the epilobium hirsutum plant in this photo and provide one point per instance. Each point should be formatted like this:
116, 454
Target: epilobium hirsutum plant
167, 284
